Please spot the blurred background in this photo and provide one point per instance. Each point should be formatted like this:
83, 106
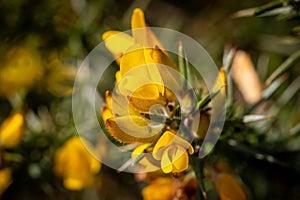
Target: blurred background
43, 42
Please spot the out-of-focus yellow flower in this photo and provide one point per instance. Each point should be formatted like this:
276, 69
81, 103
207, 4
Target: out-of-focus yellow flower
60, 77
5, 179
21, 70
164, 188
171, 150
11, 131
161, 188
75, 164
229, 188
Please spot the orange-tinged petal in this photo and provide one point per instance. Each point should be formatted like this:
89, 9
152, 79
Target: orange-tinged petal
229, 188
134, 129
144, 105
106, 114
221, 82
221, 86
246, 78
11, 131
5, 179
117, 42
108, 99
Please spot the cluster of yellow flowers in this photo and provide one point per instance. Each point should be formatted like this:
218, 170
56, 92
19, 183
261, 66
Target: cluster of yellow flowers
23, 68
131, 52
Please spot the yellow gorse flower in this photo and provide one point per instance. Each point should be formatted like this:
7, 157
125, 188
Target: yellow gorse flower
21, 70
11, 131
140, 81
140, 49
171, 150
75, 164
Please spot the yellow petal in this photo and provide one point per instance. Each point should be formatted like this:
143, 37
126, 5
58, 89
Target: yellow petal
134, 129
166, 163
106, 113
139, 150
221, 86
138, 27
221, 82
229, 188
133, 57
245, 76
138, 87
144, 105
5, 179
117, 42
118, 76
163, 141
11, 131
180, 160
108, 99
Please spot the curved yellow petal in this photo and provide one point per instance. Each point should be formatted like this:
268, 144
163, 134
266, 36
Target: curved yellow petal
117, 42
108, 99
166, 162
138, 27
221, 82
118, 76
163, 141
144, 105
180, 159
106, 113
132, 58
133, 129
139, 150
